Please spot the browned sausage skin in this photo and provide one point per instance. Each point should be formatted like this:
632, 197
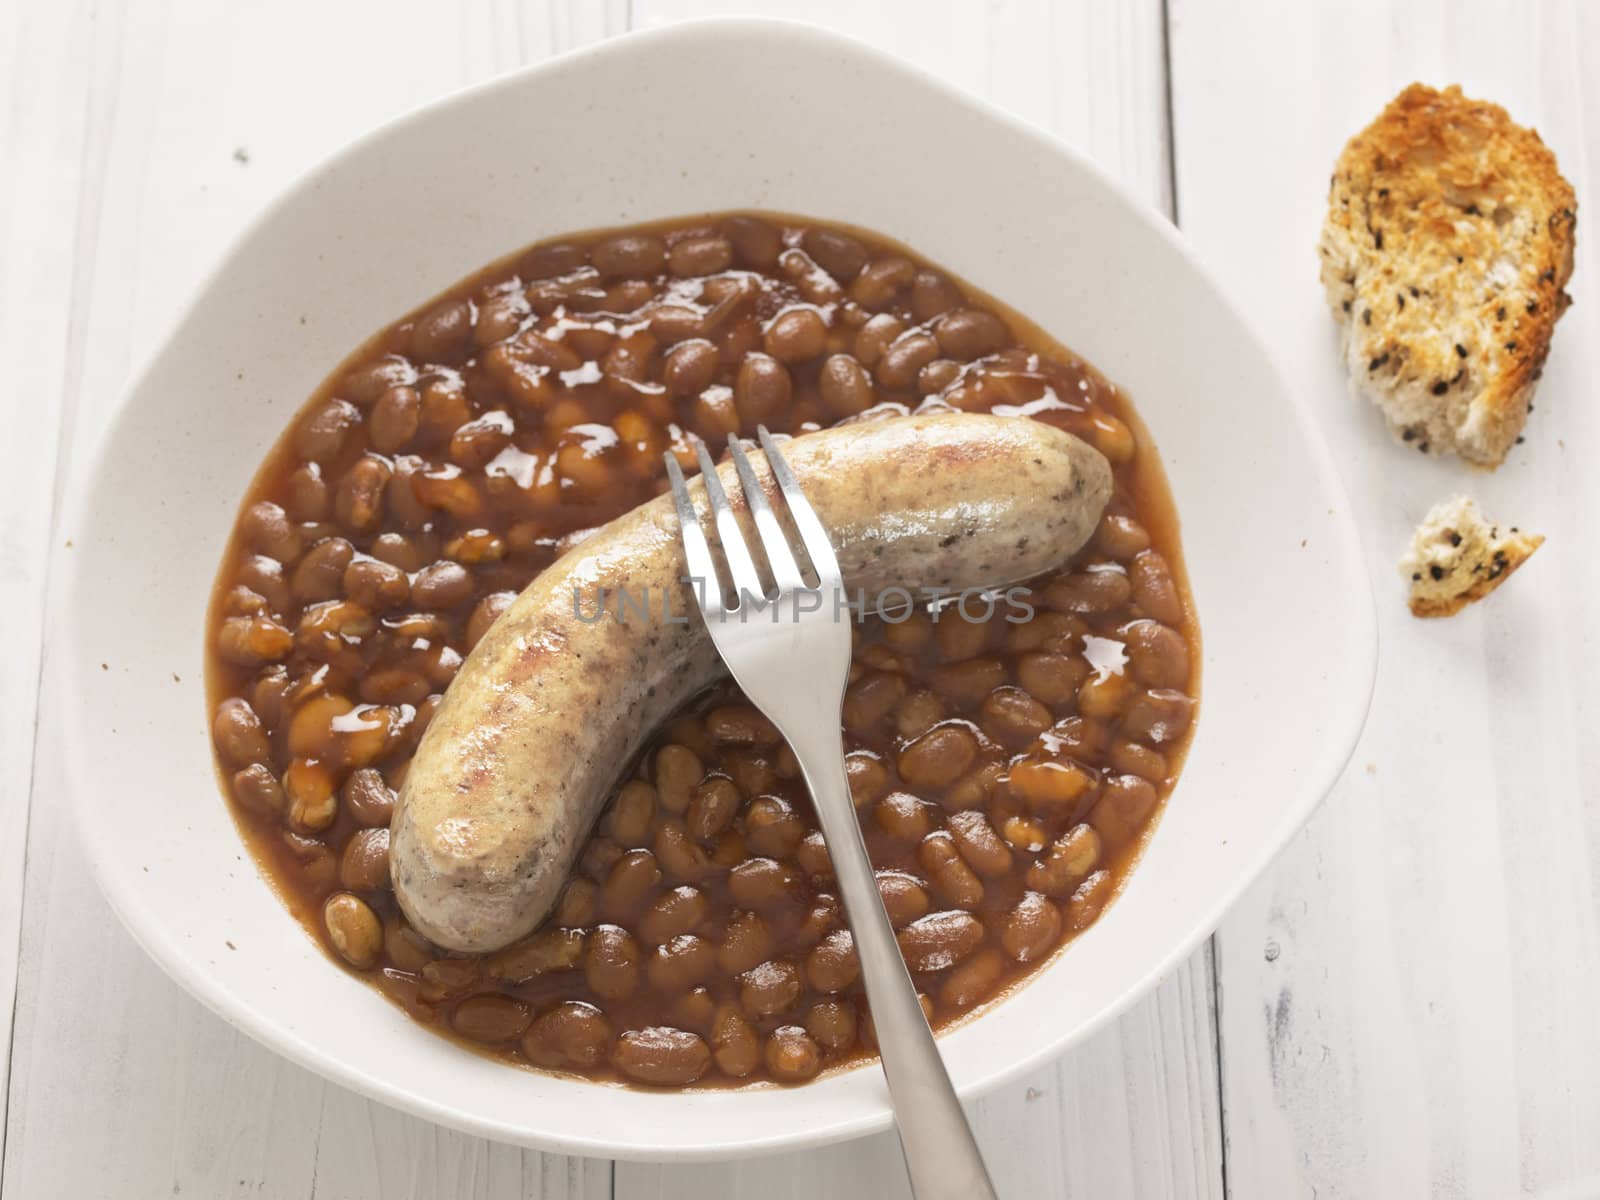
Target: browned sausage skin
552, 704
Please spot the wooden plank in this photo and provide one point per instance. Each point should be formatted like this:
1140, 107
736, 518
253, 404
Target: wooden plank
1135, 1111
41, 143
149, 135
1408, 999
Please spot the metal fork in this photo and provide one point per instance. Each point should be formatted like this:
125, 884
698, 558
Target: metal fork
788, 647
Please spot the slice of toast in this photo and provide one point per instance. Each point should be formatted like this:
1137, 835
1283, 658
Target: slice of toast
1457, 557
1448, 242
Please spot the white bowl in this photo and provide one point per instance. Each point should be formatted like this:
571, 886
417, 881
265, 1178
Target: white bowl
693, 118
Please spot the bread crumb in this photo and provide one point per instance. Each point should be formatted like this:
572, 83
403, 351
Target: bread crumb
1457, 557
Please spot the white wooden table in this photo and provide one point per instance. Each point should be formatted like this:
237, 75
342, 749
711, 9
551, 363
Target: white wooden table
1407, 1005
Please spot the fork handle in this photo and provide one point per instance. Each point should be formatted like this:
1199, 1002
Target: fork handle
941, 1154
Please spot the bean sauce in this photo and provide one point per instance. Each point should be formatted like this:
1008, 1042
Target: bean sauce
1006, 771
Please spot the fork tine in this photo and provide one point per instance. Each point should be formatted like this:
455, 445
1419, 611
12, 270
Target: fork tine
740, 565
812, 535
696, 550
785, 571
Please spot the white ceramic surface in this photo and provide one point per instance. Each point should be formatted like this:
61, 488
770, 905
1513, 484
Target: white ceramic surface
614, 135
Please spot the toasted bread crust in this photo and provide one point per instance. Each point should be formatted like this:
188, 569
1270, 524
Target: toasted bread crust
1447, 246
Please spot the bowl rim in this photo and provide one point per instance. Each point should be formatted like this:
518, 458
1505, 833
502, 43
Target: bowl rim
1349, 704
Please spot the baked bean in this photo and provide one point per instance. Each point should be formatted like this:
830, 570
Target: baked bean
572, 1034
1087, 901
844, 386
969, 333
447, 978
238, 733
765, 884
1120, 537
939, 940
938, 757
353, 930
629, 820
812, 856
1159, 716
398, 550
712, 808
771, 827
631, 880
1023, 833
375, 585
1125, 803
875, 337
690, 367
1029, 931
938, 375
682, 859
1104, 695
316, 866
903, 358
490, 1018
312, 802
867, 776
918, 713
762, 390
1132, 758
877, 283
902, 815
475, 443
1046, 631
904, 897
269, 695
931, 295
1157, 656
1050, 787
258, 789
1092, 591
680, 911
832, 965
1153, 589
796, 335
441, 586
948, 872
500, 315
446, 489
1080, 737
366, 383
735, 1045
367, 798
556, 258
443, 333
972, 980
1012, 717
1067, 863
321, 434
680, 963
740, 725
405, 948
832, 1024
770, 987
756, 243
870, 699
839, 254
716, 415
750, 771
611, 963
1052, 678
746, 942
544, 952
578, 902
791, 1055
365, 864
630, 256
698, 256
979, 844
661, 1055
677, 770
958, 638
320, 574
267, 528
306, 493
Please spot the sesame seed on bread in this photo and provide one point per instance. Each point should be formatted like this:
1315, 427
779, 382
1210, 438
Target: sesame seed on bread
1457, 557
1448, 242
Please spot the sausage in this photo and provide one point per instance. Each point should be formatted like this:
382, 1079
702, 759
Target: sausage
554, 700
